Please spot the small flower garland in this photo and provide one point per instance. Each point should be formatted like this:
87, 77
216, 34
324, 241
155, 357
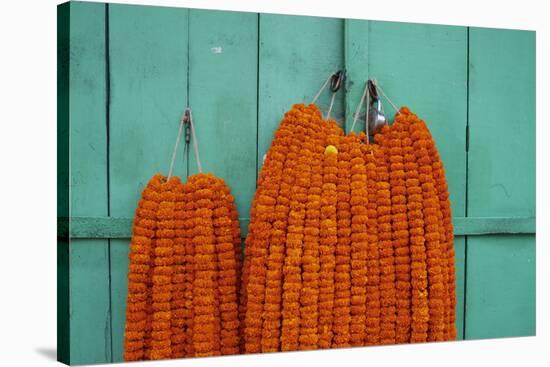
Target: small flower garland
161, 290
385, 245
400, 231
437, 288
138, 271
328, 240
359, 246
292, 283
227, 266
178, 304
448, 235
309, 294
373, 259
342, 274
206, 323
189, 228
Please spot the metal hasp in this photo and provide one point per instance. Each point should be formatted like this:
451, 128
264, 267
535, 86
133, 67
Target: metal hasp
376, 118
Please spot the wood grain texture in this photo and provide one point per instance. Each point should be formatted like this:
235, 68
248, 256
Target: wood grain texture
90, 319
223, 92
297, 54
425, 67
501, 181
148, 74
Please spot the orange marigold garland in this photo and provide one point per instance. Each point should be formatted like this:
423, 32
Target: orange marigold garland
448, 248
385, 245
292, 283
400, 232
342, 274
227, 266
182, 279
178, 306
373, 261
359, 246
161, 291
436, 286
141, 249
206, 323
275, 201
309, 294
327, 242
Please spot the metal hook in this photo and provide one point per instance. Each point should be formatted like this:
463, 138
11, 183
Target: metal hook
373, 91
337, 80
186, 119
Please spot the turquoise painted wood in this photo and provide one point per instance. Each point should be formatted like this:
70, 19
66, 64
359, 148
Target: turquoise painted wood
287, 44
148, 83
223, 94
88, 260
500, 298
132, 70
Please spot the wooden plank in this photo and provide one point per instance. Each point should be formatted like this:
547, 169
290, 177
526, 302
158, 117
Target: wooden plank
425, 67
223, 93
297, 54
500, 300
63, 152
120, 227
501, 269
357, 68
148, 75
90, 319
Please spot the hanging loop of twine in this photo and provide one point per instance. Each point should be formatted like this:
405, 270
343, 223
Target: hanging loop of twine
336, 80
195, 141
186, 118
385, 96
359, 106
322, 89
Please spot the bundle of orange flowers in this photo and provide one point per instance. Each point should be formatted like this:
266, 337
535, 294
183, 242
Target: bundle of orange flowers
184, 269
349, 243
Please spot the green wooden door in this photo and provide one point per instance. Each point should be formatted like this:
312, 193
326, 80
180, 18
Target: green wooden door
126, 73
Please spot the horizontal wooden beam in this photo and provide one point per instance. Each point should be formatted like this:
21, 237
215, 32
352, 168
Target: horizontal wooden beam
111, 227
